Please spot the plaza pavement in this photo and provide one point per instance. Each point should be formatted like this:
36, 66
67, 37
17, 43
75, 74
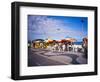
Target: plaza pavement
44, 57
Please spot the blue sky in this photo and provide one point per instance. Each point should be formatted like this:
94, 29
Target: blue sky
57, 27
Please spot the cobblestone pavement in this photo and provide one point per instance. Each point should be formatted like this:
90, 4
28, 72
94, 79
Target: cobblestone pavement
44, 57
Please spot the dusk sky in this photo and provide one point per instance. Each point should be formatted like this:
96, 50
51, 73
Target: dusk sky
57, 27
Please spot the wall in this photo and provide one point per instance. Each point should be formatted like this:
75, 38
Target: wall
5, 40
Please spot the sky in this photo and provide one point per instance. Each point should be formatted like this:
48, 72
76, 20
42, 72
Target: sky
57, 27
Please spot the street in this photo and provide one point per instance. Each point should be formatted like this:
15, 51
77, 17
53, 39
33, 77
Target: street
44, 57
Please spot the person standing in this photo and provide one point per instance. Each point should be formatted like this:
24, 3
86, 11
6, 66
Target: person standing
85, 46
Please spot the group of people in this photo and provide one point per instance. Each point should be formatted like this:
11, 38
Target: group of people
58, 46
65, 47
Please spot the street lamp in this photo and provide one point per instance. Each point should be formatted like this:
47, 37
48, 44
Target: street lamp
82, 21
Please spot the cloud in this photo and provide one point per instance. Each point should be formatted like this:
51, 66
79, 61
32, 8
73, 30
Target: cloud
44, 26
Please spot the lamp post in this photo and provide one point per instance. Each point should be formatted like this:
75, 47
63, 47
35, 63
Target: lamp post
82, 21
